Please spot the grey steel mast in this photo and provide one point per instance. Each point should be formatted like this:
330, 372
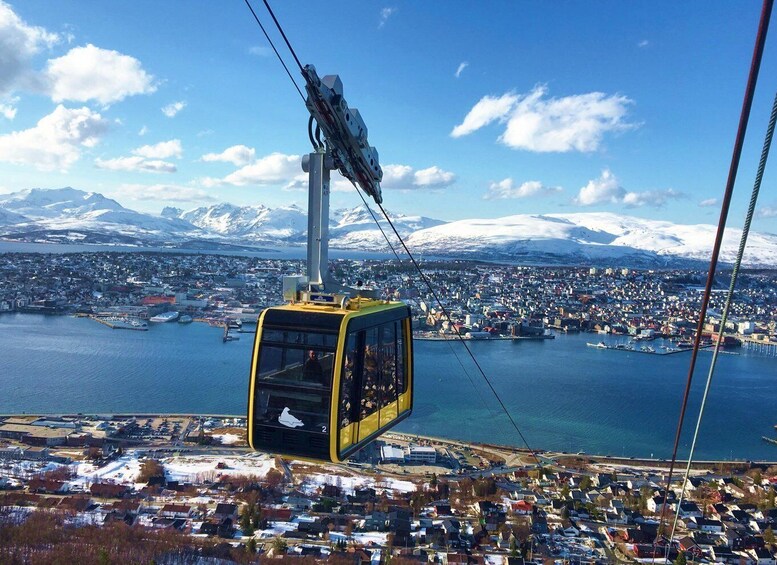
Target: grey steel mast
347, 150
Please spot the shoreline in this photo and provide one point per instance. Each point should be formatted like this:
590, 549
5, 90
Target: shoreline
546, 454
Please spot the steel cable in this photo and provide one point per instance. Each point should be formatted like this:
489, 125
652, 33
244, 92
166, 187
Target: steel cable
755, 65
726, 309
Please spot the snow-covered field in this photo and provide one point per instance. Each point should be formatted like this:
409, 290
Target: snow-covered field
200, 467
228, 439
123, 470
351, 484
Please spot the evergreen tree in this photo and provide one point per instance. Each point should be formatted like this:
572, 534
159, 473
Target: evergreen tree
245, 521
769, 536
256, 515
279, 545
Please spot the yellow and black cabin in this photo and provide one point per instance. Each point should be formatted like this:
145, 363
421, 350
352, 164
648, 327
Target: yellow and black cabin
326, 380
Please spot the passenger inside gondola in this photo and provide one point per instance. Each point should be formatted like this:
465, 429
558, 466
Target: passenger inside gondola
313, 371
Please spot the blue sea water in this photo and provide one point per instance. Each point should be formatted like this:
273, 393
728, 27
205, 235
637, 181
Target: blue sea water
562, 394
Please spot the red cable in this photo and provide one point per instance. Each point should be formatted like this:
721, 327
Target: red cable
755, 65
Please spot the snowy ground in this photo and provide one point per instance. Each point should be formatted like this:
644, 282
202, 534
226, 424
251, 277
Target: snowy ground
351, 484
123, 470
228, 439
203, 467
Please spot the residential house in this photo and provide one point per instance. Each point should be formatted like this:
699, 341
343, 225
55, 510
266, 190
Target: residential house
176, 511
690, 510
109, 490
709, 526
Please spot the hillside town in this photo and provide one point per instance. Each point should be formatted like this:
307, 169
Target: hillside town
188, 483
476, 299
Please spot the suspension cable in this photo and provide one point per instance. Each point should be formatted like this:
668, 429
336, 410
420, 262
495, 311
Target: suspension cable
399, 259
729, 298
283, 34
266, 35
375, 219
458, 334
412, 259
755, 65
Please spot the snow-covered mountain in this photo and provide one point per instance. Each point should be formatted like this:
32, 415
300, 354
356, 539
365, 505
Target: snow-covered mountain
69, 214
255, 223
40, 203
349, 228
586, 238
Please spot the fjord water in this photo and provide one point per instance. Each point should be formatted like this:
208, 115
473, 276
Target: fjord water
563, 395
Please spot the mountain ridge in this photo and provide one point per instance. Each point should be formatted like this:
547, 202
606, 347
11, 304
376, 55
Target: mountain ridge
72, 215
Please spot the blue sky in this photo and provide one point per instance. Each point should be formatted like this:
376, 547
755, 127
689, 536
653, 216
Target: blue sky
477, 109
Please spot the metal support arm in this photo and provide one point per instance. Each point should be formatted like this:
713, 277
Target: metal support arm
318, 166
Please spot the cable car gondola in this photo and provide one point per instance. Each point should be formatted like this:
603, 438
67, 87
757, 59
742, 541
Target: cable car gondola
327, 380
333, 369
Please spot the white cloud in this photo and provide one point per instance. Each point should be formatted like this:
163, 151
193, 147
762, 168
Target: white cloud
433, 177
708, 202
161, 150
260, 51
484, 112
405, 177
385, 14
92, 73
238, 155
18, 43
8, 110
143, 131
653, 198
172, 109
56, 141
534, 123
286, 170
767, 212
272, 169
607, 189
463, 65
604, 189
164, 193
135, 165
506, 189
146, 159
643, 43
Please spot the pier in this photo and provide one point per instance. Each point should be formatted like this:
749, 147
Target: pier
631, 349
765, 347
118, 323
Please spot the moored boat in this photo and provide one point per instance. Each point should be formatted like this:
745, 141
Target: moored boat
164, 317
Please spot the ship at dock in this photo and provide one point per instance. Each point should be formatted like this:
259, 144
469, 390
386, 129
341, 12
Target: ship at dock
164, 317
